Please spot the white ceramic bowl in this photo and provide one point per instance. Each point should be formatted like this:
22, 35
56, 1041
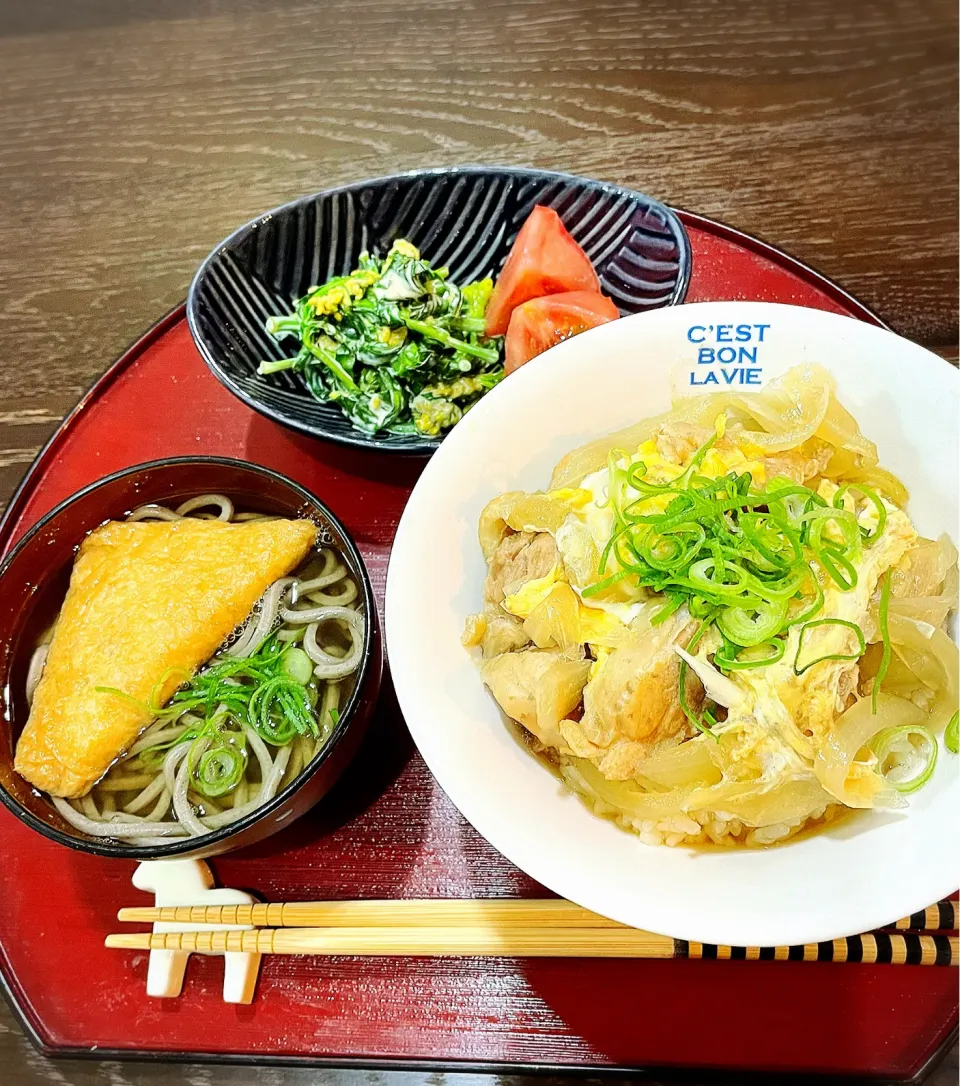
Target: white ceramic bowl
863, 873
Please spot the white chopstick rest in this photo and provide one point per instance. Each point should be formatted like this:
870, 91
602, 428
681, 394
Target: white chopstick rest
190, 882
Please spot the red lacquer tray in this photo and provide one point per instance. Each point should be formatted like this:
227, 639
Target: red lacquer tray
388, 831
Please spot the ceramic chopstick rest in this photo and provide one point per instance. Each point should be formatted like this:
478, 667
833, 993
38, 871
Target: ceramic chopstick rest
190, 882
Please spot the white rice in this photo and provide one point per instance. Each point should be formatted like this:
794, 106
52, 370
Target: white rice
700, 828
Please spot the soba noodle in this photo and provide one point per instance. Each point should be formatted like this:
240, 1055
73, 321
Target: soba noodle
152, 792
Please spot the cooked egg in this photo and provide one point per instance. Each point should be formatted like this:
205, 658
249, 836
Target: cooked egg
583, 536
600, 627
575, 497
868, 517
531, 594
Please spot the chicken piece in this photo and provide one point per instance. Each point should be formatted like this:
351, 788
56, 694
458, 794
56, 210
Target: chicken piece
537, 688
678, 441
147, 604
632, 705
493, 521
798, 464
517, 559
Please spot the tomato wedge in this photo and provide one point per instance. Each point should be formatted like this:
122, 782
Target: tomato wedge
542, 322
544, 260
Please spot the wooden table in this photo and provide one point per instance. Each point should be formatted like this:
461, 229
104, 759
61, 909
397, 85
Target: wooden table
133, 137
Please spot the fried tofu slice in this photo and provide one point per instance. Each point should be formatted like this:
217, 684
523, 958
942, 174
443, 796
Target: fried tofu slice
148, 603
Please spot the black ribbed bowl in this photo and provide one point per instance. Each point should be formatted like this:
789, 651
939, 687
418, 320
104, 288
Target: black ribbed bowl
465, 218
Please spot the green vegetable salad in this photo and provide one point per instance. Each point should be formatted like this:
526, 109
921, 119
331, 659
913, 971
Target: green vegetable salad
397, 345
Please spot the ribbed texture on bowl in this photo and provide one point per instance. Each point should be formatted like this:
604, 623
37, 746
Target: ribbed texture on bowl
466, 218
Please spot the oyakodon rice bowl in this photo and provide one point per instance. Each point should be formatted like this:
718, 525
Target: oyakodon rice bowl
720, 625
761, 786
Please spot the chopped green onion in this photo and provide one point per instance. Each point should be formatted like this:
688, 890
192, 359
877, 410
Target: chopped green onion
752, 560
870, 495
276, 729
791, 501
269, 691
718, 578
951, 739
128, 698
298, 665
752, 626
884, 617
673, 604
861, 642
698, 458
897, 745
771, 540
845, 523
699, 607
220, 770
601, 586
832, 558
335, 716
812, 609
728, 658
782, 589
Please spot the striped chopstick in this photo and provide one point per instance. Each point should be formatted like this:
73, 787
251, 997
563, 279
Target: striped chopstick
939, 917
436, 913
871, 948
893, 948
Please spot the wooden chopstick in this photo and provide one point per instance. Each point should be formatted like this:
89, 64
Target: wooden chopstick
880, 948
404, 913
433, 913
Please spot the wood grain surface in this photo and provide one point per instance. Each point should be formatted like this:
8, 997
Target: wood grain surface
134, 136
